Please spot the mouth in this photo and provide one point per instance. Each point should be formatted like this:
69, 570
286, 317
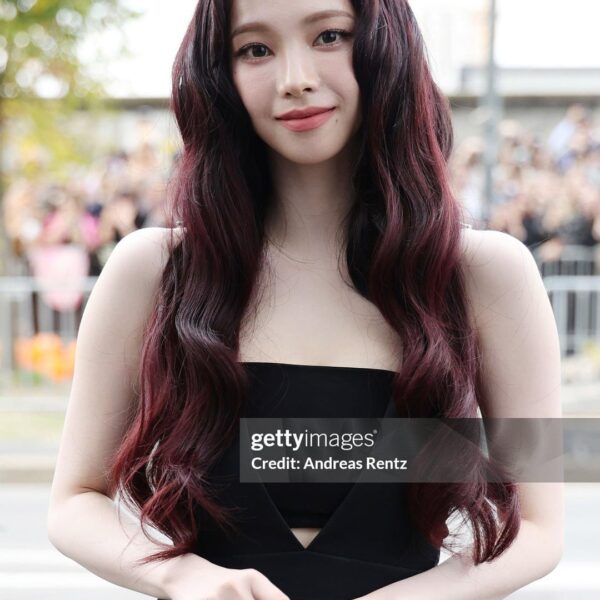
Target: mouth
307, 123
297, 115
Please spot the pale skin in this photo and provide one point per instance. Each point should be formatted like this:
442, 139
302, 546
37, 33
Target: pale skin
306, 305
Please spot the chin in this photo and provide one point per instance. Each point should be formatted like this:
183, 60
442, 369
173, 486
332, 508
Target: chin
309, 152
307, 157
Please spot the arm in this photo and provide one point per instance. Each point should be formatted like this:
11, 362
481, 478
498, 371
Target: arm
82, 520
521, 377
85, 527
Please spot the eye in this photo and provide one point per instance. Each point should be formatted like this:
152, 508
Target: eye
243, 51
342, 33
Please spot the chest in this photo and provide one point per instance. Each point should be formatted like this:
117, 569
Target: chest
313, 316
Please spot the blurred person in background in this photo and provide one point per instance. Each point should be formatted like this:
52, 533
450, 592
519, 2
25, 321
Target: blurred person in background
467, 178
22, 215
143, 162
153, 204
120, 216
65, 220
59, 253
576, 116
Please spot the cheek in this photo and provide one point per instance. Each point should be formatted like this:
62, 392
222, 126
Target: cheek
339, 75
252, 90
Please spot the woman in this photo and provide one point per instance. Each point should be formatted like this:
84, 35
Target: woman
325, 254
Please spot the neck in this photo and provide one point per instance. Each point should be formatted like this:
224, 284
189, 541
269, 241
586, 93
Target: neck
309, 205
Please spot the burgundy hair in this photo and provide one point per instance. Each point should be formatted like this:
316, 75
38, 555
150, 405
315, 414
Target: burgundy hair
403, 254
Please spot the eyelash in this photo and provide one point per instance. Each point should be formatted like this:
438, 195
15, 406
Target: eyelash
242, 51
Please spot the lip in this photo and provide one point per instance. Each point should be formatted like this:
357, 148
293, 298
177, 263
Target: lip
301, 113
309, 122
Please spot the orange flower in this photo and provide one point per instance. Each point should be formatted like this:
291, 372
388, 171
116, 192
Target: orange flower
47, 355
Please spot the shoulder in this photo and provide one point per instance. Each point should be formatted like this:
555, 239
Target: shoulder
127, 285
149, 239
482, 248
143, 253
501, 274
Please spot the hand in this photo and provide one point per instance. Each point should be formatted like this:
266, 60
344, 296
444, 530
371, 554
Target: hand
551, 250
194, 578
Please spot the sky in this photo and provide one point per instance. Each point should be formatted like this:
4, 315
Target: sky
530, 33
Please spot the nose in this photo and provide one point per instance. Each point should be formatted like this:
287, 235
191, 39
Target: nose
297, 72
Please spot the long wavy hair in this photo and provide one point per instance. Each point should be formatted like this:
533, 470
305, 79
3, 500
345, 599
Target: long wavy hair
402, 251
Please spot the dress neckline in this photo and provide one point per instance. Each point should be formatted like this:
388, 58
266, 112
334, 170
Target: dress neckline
386, 372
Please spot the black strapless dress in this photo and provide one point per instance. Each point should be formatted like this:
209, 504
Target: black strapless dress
366, 540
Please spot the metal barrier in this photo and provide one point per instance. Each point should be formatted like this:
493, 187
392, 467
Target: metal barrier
24, 312
576, 306
573, 260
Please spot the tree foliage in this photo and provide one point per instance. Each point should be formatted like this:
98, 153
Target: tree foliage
43, 77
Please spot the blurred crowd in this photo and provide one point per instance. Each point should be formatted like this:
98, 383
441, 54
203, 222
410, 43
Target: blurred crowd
72, 227
546, 191
547, 194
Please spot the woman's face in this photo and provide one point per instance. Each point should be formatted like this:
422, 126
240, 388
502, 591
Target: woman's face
290, 59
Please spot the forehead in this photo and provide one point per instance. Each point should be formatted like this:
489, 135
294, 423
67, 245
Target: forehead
282, 13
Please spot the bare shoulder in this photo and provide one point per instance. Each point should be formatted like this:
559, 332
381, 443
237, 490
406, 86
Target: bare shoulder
145, 252
485, 248
501, 273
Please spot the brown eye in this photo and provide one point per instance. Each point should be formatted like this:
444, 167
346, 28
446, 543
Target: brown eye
244, 50
335, 32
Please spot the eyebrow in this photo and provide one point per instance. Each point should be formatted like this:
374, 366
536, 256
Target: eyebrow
258, 26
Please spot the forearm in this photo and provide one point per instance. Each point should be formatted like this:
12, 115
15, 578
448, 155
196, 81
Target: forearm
87, 529
530, 557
